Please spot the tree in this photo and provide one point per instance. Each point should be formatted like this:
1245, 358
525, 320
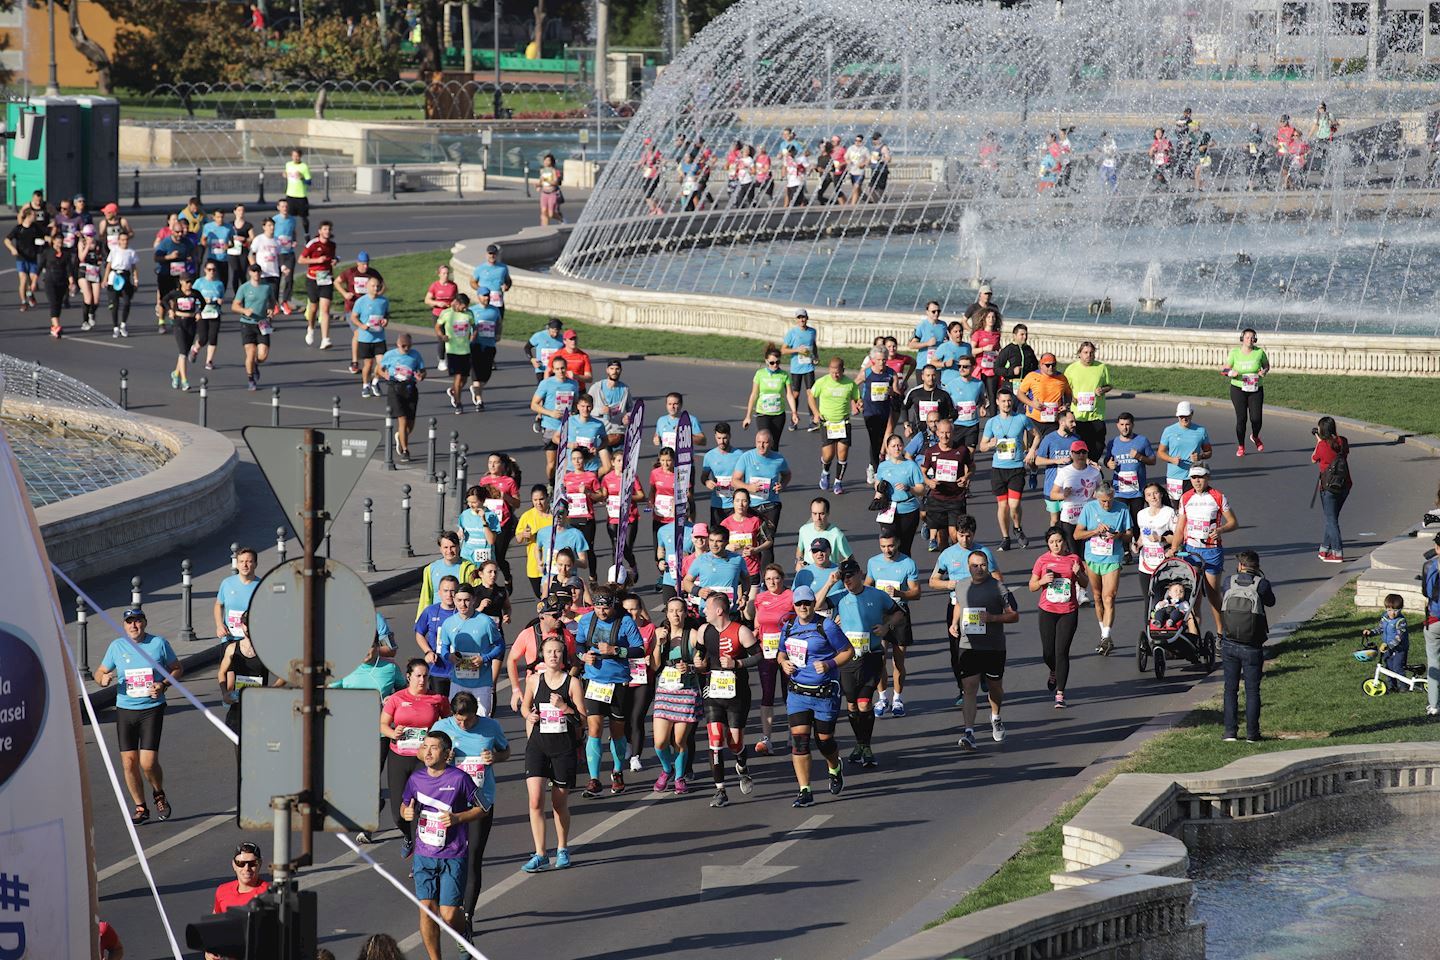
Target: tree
429, 46
160, 42
324, 52
87, 48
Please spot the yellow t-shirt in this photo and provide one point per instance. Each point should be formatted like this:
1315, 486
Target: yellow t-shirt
532, 521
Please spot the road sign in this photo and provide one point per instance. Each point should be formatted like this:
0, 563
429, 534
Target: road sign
280, 455
487, 136
272, 755
277, 621
584, 135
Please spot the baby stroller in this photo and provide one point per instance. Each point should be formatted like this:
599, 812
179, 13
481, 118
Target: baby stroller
1165, 642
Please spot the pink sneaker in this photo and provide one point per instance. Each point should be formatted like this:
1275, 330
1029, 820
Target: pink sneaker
661, 782
680, 785
1240, 450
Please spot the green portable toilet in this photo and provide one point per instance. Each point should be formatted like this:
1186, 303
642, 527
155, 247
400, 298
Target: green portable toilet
45, 153
99, 149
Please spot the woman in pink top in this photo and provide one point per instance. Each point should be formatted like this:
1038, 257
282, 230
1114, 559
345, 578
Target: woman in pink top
986, 341
662, 491
405, 717
748, 535
610, 483
582, 492
438, 298
502, 496
1054, 577
768, 609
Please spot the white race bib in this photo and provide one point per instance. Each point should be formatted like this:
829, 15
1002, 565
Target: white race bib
760, 486
769, 404
769, 645
665, 506
1070, 512
411, 738
947, 471
1084, 403
1006, 448
473, 767
432, 831
887, 515
971, 622
1250, 382
601, 692
1151, 556
1058, 590
879, 391
177, 268
667, 439
1048, 412
1127, 481
1103, 544
463, 671
323, 278
612, 506
837, 429
965, 410
232, 621
552, 718
639, 673
669, 681
722, 685
1175, 486
495, 505
927, 407
741, 541
139, 681
579, 505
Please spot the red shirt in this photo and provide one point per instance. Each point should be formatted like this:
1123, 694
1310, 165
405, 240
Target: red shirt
408, 710
662, 484
109, 939
986, 342
1064, 566
323, 250
750, 525
578, 486
770, 609
228, 895
357, 283
611, 486
578, 361
497, 489
1325, 454
443, 292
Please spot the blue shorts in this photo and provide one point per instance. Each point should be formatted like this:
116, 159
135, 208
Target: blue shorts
1212, 557
24, 267
826, 709
441, 880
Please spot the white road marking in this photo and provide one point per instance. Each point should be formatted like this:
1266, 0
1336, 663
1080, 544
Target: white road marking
184, 836
94, 342
343, 412
757, 869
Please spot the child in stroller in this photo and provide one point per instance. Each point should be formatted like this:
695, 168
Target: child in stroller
1173, 611
1172, 630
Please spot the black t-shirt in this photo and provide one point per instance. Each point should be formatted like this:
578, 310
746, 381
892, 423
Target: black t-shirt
916, 413
496, 595
184, 305
28, 241
974, 311
937, 463
1016, 361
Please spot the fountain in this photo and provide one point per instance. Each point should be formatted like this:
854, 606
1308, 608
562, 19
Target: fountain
1150, 302
961, 132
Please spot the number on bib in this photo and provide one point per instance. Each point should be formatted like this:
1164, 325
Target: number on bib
722, 685
139, 681
1058, 590
552, 719
860, 641
837, 429
599, 692
971, 621
769, 645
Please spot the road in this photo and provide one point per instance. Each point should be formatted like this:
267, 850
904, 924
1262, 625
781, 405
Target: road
843, 869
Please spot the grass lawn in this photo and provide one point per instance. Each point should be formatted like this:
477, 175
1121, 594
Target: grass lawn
1311, 693
340, 104
1409, 403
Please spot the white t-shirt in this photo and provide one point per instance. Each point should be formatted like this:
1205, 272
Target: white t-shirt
1155, 529
745, 170
122, 261
1203, 513
1082, 484
266, 252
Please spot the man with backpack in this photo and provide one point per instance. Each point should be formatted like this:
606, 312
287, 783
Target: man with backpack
1430, 586
1242, 648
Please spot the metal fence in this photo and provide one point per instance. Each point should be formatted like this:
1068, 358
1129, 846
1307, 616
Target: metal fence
28, 380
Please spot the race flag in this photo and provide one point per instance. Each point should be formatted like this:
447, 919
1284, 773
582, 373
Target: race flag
629, 471
684, 454
557, 490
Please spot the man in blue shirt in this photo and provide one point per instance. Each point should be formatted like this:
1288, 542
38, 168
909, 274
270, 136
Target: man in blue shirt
139, 708
950, 573
553, 396
254, 302
721, 570
1127, 455
1182, 445
584, 432
667, 422
812, 651
895, 575
370, 316
561, 536
403, 368
544, 344
764, 473
800, 347
233, 597
820, 575
493, 277
607, 639
1052, 453
427, 632
1014, 440
483, 343
968, 394
949, 353
174, 258
866, 616
472, 645
929, 334
285, 226
717, 472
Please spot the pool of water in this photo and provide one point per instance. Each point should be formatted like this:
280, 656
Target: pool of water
58, 464
1359, 895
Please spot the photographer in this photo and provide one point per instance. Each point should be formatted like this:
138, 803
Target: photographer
1332, 455
1430, 586
1242, 647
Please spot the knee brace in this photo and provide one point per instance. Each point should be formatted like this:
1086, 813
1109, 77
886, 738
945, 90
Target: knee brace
862, 705
716, 731
800, 744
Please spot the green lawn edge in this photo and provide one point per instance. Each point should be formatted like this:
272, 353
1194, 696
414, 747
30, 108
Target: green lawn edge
1410, 404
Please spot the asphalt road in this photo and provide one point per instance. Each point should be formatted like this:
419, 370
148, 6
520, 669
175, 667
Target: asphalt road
856, 862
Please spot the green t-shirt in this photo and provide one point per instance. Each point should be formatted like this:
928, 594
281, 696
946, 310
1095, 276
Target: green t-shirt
295, 176
458, 325
1244, 364
257, 297
1085, 383
771, 386
833, 397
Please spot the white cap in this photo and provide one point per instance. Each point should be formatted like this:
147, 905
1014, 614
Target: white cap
1184, 409
1199, 470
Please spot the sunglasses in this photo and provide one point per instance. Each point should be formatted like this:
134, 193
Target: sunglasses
804, 603
247, 864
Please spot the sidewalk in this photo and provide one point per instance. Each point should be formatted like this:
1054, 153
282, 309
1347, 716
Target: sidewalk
500, 190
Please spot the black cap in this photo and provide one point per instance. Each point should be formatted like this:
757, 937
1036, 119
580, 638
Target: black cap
492, 249
554, 322
849, 566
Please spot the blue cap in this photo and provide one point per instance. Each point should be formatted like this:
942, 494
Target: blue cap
134, 612
483, 292
362, 257
802, 594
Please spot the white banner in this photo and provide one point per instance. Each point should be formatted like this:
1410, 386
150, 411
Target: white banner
47, 893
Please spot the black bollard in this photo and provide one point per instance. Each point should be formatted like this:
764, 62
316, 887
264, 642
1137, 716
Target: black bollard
430, 457
261, 199
204, 401
82, 619
135, 181
187, 624
124, 389
389, 441
198, 193
439, 505
369, 521
335, 412
459, 180
274, 406
325, 178
405, 519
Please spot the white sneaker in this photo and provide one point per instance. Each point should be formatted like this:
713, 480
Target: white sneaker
443, 366
124, 330
635, 765
325, 343
1432, 711
310, 337
882, 704
114, 333
897, 706
475, 394
997, 729
1082, 596
869, 475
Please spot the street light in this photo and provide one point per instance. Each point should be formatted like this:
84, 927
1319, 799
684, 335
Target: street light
499, 100
52, 88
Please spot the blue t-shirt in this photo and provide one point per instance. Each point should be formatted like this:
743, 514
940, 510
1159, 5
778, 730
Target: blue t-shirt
1008, 430
493, 277
718, 571
234, 596
402, 365
665, 428
543, 346
134, 673
428, 626
257, 297
473, 636
666, 541
476, 548
1054, 445
187, 256
1184, 443
1129, 470
925, 331
950, 352
878, 384
383, 676
901, 571
814, 577
820, 639
567, 538
284, 233
556, 394
469, 745
212, 290
721, 466
859, 613
216, 237
954, 562
382, 626
771, 467
901, 476
966, 393
486, 323
796, 338
589, 434
371, 308
591, 630
1116, 518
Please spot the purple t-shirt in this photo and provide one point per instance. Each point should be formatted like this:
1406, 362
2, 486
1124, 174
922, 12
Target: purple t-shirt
452, 790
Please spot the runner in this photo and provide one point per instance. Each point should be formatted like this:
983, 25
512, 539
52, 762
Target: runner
838, 398
677, 661
24, 241
1104, 528
1201, 520
717, 472
607, 639
241, 667
265, 256
1014, 439
550, 178
582, 493
1155, 523
866, 616
286, 244
894, 574
560, 536
770, 393
1074, 487
89, 260
730, 649
986, 340
555, 720
553, 396
404, 717
403, 369
952, 568
523, 655
427, 633
812, 651
121, 279
719, 570
527, 530
182, 310
1126, 456
479, 527
237, 254
351, 284
642, 678
255, 304
450, 563
1045, 393
1089, 383
1183, 444
797, 169
927, 399
587, 435
612, 402
947, 467
879, 167
370, 317
750, 537
667, 422
767, 609
1017, 358
319, 260
576, 359
454, 331
1055, 576
822, 574
820, 527
472, 645
970, 399
763, 473
899, 483
56, 276
492, 276
878, 386
610, 483
212, 304
217, 237
233, 597
1052, 453
297, 188
1247, 366
662, 492
438, 298
800, 345
977, 628
440, 801
949, 353
478, 744
929, 334
140, 708
485, 324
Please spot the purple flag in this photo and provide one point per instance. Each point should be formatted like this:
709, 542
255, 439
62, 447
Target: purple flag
557, 491
629, 470
683, 457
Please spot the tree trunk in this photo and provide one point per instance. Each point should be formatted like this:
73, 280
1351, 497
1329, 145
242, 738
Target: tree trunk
430, 54
539, 28
89, 49
320, 102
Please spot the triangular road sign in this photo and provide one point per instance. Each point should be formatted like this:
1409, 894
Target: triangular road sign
278, 452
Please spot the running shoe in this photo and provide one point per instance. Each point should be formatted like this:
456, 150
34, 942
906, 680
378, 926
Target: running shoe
114, 333
762, 749
747, 783
209, 364
536, 863
635, 765
967, 740
1105, 646
933, 543
1083, 596
617, 782
592, 789
450, 395
1229, 738
837, 780
287, 309
443, 366
814, 426
87, 324
838, 488
194, 351
869, 475
681, 786
354, 367
1322, 554
867, 757
1240, 450
803, 799
1259, 446
310, 337
1020, 535
364, 390
141, 814
856, 755
1432, 711
175, 385
362, 837
960, 700
184, 385
721, 798
475, 394
662, 781
1059, 700
897, 707
250, 384
825, 481
407, 847
324, 343
1333, 557
562, 858
997, 729
881, 705
124, 330
535, 427
1005, 543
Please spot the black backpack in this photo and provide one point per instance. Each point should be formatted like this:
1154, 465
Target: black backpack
1244, 611
1336, 475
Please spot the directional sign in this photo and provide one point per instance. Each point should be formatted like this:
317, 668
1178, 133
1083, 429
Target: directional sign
758, 868
279, 453
272, 754
277, 622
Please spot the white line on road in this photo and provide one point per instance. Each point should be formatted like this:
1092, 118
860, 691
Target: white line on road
159, 848
757, 869
343, 411
98, 343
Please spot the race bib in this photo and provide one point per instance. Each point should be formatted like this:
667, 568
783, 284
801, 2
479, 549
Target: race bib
971, 622
1084, 403
241, 682
1127, 481
1058, 590
1201, 531
667, 439
139, 681
1006, 448
552, 719
665, 506
579, 505
1048, 412
1151, 556
1103, 544
639, 673
323, 278
760, 486
266, 328
585, 443
927, 407
1070, 512
403, 374
612, 506
887, 515
1175, 486
211, 311
1250, 382
860, 641
669, 681
177, 268
563, 399
741, 541
474, 767
236, 248
769, 404
92, 273
722, 685
879, 391
965, 409
465, 671
232, 621
485, 329
411, 738
931, 359
796, 651
497, 299
947, 471
987, 362
545, 354
837, 429
769, 645
599, 692
432, 830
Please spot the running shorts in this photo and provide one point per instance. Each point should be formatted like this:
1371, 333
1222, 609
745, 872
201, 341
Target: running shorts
858, 679
991, 663
1007, 480
139, 729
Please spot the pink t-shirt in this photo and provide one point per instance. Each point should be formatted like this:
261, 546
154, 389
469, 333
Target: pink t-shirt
497, 488
611, 486
751, 526
1060, 595
770, 609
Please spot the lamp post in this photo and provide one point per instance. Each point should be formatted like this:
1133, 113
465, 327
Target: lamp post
52, 86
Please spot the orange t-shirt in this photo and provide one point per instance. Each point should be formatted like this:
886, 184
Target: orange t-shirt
1044, 396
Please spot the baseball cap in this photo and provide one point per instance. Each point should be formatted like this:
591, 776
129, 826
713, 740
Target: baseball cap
569, 335
1047, 358
492, 249
561, 509
1199, 470
802, 595
819, 543
552, 605
803, 313
79, 198
701, 529
1184, 409
362, 257
986, 288
110, 208
1078, 446
133, 613
849, 566
554, 323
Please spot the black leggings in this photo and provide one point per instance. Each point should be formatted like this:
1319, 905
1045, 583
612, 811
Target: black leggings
769, 514
1251, 405
55, 294
237, 269
397, 773
640, 698
630, 531
503, 539
479, 837
587, 527
875, 426
904, 528
775, 423
118, 302
1057, 632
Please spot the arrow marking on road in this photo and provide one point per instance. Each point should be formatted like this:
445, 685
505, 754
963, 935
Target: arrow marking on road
758, 869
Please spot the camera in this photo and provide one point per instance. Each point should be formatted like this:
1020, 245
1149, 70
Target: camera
1314, 431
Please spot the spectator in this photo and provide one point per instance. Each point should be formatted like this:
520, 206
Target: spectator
380, 946
1242, 649
1430, 586
1332, 454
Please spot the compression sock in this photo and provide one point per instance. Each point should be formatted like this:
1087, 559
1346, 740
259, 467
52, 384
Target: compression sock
682, 759
741, 760
666, 756
857, 726
840, 466
824, 468
619, 752
866, 727
593, 750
